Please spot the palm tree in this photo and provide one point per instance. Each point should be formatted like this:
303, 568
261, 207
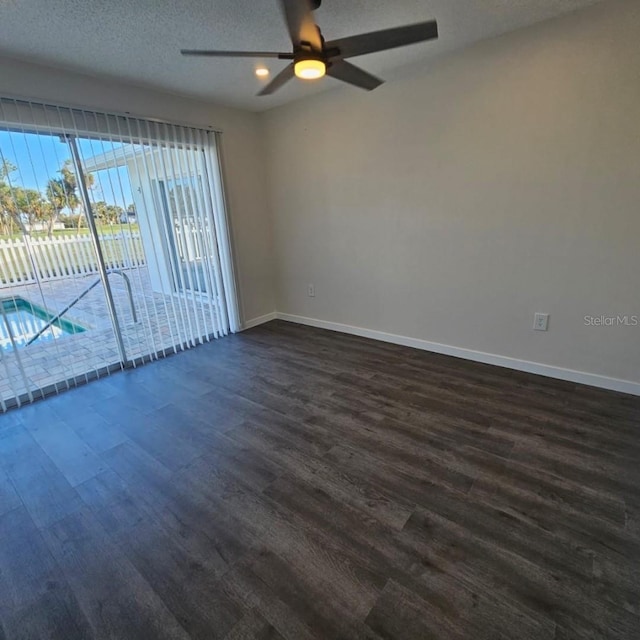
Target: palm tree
41, 211
70, 183
69, 186
57, 197
11, 212
9, 208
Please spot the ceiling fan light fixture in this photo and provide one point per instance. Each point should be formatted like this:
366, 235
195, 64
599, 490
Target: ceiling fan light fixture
310, 69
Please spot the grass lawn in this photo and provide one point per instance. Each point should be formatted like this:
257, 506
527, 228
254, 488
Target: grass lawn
104, 230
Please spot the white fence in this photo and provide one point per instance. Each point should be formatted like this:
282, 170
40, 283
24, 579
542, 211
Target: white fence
27, 260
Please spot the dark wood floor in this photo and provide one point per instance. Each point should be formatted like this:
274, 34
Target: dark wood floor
295, 483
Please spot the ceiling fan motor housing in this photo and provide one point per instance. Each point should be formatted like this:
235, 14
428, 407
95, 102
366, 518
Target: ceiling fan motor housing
309, 54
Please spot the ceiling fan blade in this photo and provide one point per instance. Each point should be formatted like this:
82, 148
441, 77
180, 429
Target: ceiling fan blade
302, 27
348, 72
382, 40
282, 78
235, 54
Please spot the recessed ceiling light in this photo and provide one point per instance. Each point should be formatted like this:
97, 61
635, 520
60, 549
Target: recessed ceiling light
261, 72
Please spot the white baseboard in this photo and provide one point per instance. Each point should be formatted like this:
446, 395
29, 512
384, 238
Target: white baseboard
254, 322
580, 377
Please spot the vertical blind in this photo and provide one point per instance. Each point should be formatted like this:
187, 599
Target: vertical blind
143, 266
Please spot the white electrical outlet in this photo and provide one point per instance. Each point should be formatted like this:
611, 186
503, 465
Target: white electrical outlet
311, 291
541, 322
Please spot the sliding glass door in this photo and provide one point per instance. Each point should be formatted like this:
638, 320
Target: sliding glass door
49, 273
114, 245
186, 231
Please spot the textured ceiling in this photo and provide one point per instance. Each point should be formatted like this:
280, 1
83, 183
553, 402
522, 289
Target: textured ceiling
139, 40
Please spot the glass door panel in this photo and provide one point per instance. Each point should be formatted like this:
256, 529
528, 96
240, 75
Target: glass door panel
157, 233
54, 322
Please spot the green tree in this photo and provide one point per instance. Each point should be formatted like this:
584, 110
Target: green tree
6, 169
57, 197
107, 213
70, 185
73, 221
41, 212
9, 207
31, 205
23, 207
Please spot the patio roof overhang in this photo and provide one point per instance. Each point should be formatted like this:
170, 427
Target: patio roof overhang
118, 157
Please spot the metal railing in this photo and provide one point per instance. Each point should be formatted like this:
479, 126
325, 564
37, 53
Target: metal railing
77, 299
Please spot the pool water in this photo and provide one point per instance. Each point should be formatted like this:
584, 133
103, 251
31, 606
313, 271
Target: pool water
25, 319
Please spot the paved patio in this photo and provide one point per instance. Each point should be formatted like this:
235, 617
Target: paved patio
162, 322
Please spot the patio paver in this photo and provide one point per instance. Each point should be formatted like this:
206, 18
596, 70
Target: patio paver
69, 356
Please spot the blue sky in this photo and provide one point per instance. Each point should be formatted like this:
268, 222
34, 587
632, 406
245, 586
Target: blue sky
39, 158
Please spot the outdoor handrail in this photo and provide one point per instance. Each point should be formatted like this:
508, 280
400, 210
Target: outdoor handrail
82, 295
8, 325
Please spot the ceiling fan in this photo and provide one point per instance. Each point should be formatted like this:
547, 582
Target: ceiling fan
312, 57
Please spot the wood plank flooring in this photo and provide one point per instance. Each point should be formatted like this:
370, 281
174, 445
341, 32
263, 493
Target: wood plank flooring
292, 483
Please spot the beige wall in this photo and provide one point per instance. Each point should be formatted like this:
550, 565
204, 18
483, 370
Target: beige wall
447, 206
242, 152
457, 200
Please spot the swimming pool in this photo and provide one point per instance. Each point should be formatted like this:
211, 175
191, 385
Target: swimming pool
25, 319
